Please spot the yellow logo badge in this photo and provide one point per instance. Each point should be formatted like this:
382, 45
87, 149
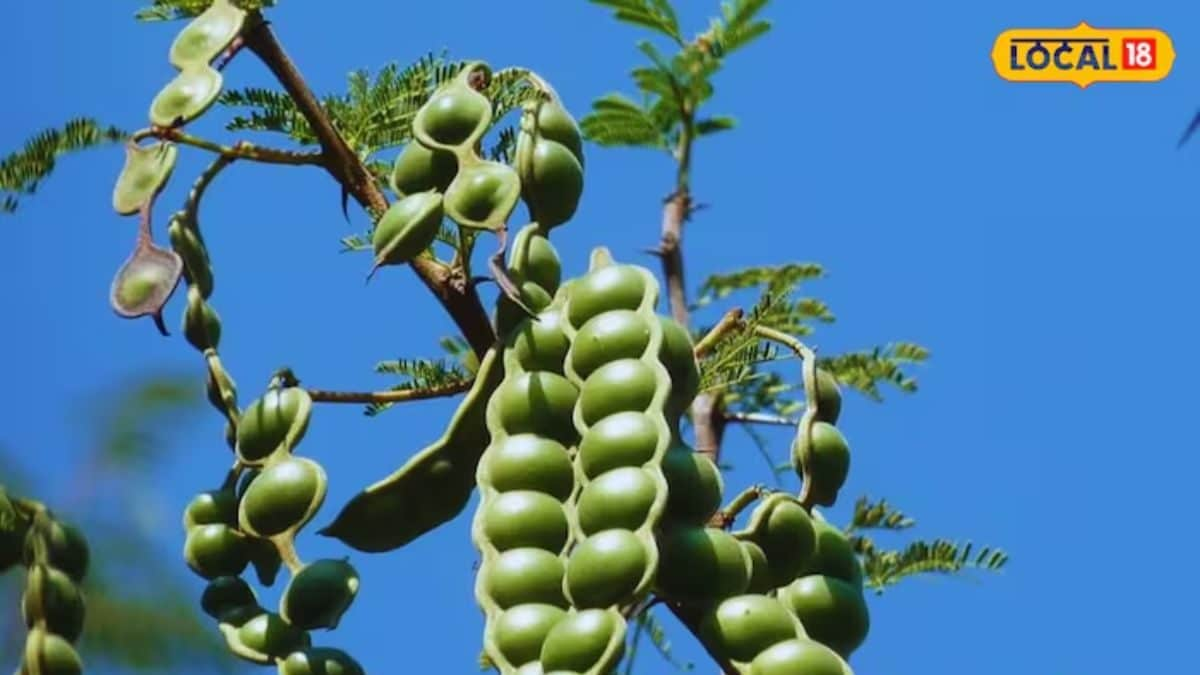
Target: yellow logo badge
1083, 55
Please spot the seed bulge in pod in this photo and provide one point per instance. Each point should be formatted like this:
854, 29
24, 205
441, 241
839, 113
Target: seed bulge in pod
555, 183
52, 596
283, 498
268, 634
829, 463
619, 334
555, 123
66, 549
619, 499
201, 323
226, 593
319, 594
147, 169
213, 551
829, 397
320, 661
521, 631
744, 626
186, 97
211, 508
538, 403
541, 344
456, 114
267, 421
623, 439
579, 641
145, 282
207, 35
832, 611
525, 575
760, 570
189, 245
407, 228
834, 556
799, 656
529, 462
52, 655
789, 539
625, 385
542, 265
606, 568
701, 564
419, 169
510, 316
525, 519
483, 195
604, 289
694, 485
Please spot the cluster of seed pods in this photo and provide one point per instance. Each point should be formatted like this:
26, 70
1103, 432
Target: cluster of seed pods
55, 555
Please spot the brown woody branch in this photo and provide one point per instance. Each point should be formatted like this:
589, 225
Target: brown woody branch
458, 297
397, 396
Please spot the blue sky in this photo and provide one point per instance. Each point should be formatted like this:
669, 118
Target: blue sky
1036, 237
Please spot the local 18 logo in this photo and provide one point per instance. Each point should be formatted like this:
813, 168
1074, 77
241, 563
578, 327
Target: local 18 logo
1083, 55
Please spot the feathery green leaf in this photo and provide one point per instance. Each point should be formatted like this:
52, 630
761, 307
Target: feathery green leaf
173, 10
419, 374
22, 171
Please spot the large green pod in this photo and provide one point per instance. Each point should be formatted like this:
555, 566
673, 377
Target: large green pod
283, 498
407, 228
188, 96
319, 594
207, 35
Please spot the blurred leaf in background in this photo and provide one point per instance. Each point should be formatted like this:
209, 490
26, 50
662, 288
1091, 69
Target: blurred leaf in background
142, 614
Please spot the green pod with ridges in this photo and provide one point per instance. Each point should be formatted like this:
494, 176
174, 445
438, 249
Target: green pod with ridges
52, 598
208, 35
320, 661
829, 397
213, 551
743, 627
701, 565
534, 265
799, 656
551, 173
188, 96
832, 611
483, 194
213, 507
319, 594
615, 559
283, 498
201, 323
49, 654
407, 229
264, 638
273, 423
823, 458
421, 169
834, 555
226, 594
522, 526
457, 114
787, 534
145, 173
189, 246
432, 487
65, 548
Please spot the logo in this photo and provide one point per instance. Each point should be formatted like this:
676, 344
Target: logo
1083, 55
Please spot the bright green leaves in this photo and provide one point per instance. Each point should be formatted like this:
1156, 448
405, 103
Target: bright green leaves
23, 171
174, 10
617, 121
657, 15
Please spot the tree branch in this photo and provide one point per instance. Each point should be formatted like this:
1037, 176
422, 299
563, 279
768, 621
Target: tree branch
457, 297
397, 396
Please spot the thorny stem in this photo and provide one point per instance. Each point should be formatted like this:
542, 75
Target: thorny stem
458, 297
398, 396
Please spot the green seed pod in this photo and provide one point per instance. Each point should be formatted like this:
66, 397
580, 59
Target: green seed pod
266, 561
145, 281
207, 35
551, 181
433, 486
582, 642
799, 656
606, 568
407, 228
280, 416
829, 397
213, 551
826, 462
624, 385
225, 594
760, 569
623, 439
201, 323
832, 611
189, 246
535, 268
521, 527
420, 169
539, 261
785, 531
65, 546
556, 124
520, 631
320, 661
619, 334
319, 594
265, 638
146, 171
510, 316
607, 288
537, 403
284, 497
701, 564
834, 556
186, 97
214, 507
679, 357
742, 627
51, 596
694, 486
483, 195
13, 528
49, 654
619, 499
457, 114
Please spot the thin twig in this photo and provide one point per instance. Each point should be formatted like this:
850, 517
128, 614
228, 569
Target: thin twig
240, 150
725, 517
397, 396
760, 418
728, 323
